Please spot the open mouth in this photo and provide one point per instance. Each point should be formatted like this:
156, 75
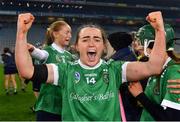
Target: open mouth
67, 40
91, 55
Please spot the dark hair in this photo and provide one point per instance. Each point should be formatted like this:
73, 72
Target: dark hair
6, 50
119, 40
54, 27
91, 26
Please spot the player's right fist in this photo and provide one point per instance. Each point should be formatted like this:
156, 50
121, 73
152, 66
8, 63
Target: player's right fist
25, 21
156, 20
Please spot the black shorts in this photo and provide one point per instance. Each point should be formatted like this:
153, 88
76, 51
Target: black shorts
46, 116
10, 71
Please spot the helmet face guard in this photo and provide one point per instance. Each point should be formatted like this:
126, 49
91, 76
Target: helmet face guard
146, 45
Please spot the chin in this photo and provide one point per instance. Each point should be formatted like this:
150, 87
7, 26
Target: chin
92, 63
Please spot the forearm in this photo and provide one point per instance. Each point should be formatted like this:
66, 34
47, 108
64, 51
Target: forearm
157, 57
157, 111
22, 57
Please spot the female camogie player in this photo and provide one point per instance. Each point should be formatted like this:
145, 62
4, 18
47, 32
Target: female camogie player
48, 105
90, 85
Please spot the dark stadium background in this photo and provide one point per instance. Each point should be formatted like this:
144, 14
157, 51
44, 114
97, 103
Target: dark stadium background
113, 15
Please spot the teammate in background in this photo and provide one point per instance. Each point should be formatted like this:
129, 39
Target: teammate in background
90, 86
9, 69
138, 49
174, 53
158, 104
49, 103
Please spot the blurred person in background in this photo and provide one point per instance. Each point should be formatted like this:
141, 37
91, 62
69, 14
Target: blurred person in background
157, 102
121, 43
9, 70
49, 103
22, 84
90, 85
174, 53
109, 51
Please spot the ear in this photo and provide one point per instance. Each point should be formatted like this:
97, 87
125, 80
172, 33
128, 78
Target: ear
55, 34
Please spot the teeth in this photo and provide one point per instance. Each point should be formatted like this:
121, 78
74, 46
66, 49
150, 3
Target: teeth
91, 50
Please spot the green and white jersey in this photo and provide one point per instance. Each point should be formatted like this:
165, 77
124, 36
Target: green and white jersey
90, 93
157, 91
57, 54
50, 97
170, 100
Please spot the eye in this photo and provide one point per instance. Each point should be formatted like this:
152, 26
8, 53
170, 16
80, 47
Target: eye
98, 39
67, 32
84, 40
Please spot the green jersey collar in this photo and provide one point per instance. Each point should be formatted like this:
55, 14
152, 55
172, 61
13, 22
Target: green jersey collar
87, 67
58, 48
167, 61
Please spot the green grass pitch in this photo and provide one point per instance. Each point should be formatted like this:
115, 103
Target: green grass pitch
16, 107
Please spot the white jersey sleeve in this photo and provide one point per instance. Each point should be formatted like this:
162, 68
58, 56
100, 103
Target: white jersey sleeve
38, 54
124, 77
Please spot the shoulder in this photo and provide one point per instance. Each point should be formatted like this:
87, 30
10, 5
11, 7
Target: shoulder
173, 71
47, 48
73, 63
113, 62
67, 52
68, 63
113, 65
70, 55
174, 67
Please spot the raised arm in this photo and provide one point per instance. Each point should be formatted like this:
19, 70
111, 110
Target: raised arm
140, 70
22, 56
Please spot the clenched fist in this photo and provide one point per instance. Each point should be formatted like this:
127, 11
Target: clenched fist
25, 21
156, 20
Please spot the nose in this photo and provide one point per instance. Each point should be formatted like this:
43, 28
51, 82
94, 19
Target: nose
91, 42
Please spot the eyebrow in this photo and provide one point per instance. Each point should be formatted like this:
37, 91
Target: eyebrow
93, 37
